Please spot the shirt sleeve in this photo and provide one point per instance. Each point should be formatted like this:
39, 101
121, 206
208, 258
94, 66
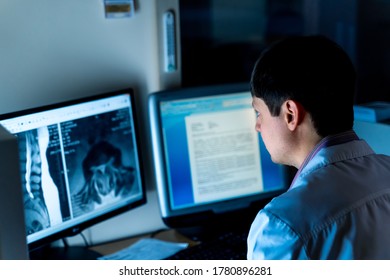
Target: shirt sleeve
272, 239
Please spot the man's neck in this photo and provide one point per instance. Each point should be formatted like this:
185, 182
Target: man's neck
306, 142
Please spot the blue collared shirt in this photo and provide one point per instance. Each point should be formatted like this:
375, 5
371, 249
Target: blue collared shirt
338, 207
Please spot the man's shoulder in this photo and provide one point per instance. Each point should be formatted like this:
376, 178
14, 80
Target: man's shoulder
318, 197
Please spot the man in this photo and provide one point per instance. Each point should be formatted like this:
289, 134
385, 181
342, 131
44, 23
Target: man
338, 205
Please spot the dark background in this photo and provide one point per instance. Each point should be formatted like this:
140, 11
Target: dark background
221, 39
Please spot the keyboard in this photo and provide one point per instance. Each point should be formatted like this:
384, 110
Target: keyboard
228, 246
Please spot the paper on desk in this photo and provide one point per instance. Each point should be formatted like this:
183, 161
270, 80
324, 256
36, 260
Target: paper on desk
147, 249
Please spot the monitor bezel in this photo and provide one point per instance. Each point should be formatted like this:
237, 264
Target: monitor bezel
206, 214
73, 230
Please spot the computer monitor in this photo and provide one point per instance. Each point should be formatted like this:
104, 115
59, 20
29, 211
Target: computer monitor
211, 166
80, 164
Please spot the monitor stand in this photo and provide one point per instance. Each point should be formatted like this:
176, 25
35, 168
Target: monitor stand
64, 253
216, 224
210, 231
199, 233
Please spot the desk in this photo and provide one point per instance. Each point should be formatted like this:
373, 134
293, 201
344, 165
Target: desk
165, 235
229, 245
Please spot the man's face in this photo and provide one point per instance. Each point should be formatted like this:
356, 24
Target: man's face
274, 132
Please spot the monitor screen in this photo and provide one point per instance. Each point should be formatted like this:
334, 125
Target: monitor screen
79, 163
208, 157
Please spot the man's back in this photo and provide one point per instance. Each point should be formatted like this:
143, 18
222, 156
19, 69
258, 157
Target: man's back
338, 208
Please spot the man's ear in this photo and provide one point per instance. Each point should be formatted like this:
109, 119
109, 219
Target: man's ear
293, 113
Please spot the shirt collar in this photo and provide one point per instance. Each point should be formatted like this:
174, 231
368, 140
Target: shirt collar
327, 141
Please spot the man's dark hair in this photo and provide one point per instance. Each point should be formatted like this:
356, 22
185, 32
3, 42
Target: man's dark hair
313, 71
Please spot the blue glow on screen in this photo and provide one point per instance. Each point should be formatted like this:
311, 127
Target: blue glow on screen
178, 161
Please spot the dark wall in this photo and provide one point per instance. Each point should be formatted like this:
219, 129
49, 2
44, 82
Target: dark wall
373, 43
221, 40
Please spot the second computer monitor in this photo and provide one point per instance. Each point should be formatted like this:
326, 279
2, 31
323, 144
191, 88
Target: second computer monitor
209, 159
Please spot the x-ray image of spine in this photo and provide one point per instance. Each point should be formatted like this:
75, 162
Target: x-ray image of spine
40, 210
106, 178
